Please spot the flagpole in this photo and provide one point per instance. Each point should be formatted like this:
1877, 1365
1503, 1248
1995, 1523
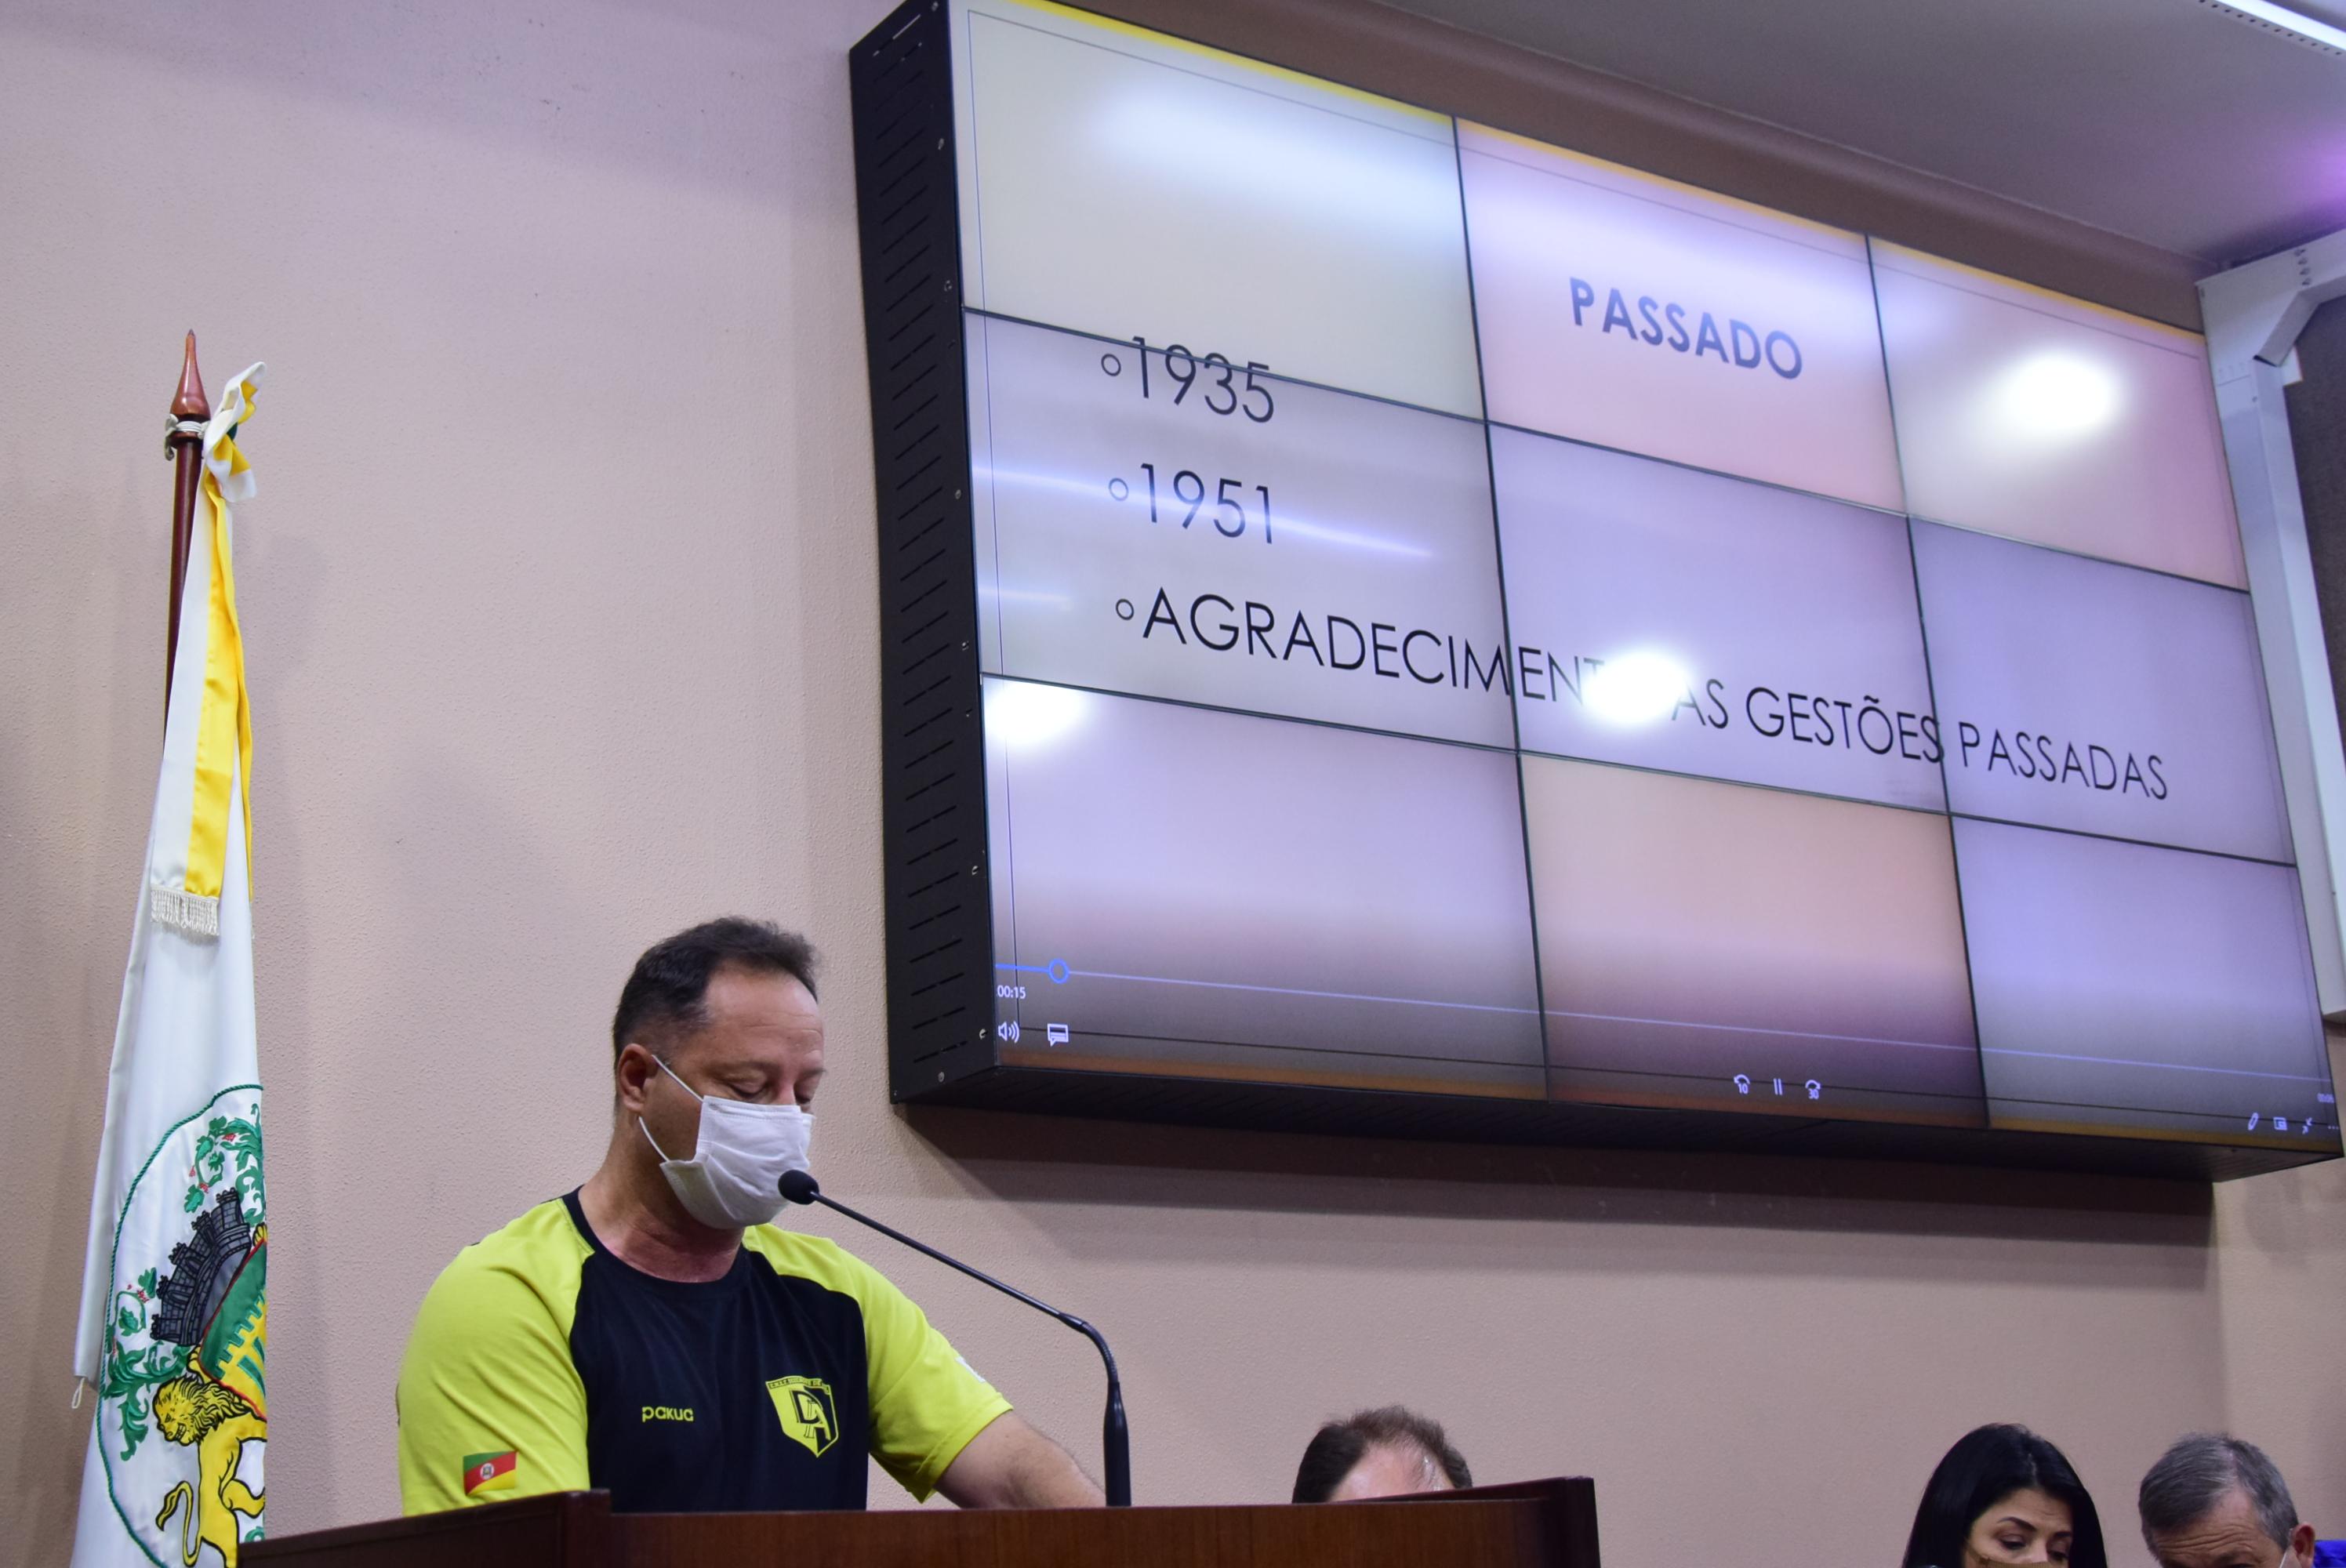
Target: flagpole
184, 443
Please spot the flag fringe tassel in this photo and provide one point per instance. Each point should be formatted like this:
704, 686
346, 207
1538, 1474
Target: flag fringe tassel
191, 914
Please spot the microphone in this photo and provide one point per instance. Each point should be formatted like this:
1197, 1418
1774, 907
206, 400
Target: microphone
1116, 1439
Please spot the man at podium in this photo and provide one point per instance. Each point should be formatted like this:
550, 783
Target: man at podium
651, 1334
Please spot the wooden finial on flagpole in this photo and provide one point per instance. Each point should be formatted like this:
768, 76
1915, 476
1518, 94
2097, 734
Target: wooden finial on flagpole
184, 443
191, 403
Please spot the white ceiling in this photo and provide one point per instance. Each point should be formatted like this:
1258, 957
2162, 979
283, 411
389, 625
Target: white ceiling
2175, 122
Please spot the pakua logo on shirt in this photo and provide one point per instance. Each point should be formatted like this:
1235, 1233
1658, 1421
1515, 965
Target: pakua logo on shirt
489, 1471
668, 1412
808, 1411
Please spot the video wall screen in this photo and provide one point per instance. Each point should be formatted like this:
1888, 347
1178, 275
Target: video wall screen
1459, 616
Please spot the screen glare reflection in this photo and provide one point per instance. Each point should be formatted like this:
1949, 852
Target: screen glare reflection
1639, 687
2054, 398
1029, 716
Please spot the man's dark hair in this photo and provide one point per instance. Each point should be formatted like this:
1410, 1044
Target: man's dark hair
667, 993
1987, 1465
1337, 1447
2198, 1472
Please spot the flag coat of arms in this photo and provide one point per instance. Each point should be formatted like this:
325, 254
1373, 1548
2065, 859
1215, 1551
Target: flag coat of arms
174, 1307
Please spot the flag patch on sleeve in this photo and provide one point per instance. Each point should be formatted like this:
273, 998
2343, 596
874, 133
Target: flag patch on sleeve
488, 1472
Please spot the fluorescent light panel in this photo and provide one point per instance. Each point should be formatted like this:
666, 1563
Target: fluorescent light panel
2289, 21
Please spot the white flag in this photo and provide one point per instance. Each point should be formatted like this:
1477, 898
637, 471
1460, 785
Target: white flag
173, 1307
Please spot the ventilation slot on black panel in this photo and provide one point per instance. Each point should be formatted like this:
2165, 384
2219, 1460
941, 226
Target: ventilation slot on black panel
940, 975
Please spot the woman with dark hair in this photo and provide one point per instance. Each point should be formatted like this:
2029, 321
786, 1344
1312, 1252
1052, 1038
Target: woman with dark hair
2004, 1494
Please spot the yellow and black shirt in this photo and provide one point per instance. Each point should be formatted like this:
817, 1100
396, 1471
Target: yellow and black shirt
541, 1362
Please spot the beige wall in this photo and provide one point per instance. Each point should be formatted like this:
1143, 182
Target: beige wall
559, 601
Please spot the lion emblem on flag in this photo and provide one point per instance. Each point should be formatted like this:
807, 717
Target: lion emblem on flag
184, 1416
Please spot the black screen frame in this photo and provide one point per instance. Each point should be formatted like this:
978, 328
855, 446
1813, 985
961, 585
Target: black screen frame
943, 1051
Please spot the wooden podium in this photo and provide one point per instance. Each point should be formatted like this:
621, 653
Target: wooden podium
1552, 1523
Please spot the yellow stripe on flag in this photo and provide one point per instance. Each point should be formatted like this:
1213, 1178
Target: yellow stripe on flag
224, 732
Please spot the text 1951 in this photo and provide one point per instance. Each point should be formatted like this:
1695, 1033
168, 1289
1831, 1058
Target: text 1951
1228, 515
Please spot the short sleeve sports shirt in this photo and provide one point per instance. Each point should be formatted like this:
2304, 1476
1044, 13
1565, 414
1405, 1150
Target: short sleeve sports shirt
541, 1362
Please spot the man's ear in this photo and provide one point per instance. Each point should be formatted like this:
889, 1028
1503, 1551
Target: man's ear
2300, 1540
632, 1076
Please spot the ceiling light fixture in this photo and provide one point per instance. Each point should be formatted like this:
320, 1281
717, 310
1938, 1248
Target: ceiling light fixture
2287, 20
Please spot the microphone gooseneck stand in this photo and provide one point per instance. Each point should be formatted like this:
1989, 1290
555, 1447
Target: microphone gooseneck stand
1116, 1438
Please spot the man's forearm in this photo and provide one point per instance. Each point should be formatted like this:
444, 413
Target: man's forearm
1046, 1476
1012, 1465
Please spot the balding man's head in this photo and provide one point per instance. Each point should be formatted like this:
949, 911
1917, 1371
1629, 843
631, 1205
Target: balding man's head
2215, 1502
1388, 1452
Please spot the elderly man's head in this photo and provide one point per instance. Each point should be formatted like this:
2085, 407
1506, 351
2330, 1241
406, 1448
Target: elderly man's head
2215, 1502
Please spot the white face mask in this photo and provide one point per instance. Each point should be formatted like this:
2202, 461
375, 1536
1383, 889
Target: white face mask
743, 1151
